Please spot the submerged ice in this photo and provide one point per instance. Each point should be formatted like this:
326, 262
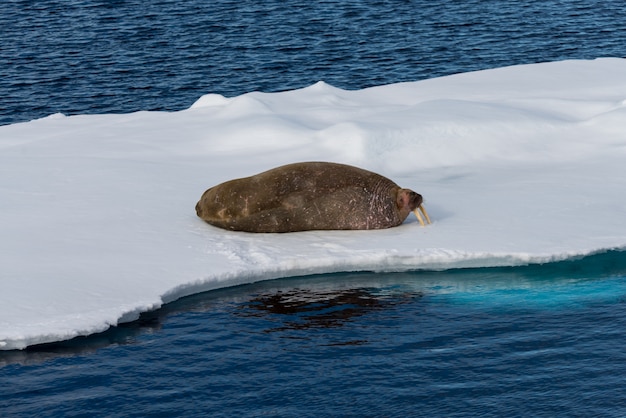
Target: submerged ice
516, 165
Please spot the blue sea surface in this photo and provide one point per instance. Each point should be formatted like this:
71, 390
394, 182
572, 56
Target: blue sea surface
87, 56
542, 340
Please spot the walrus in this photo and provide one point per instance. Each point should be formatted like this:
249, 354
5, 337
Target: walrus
309, 196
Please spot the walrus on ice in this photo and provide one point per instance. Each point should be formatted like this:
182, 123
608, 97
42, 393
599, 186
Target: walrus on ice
307, 196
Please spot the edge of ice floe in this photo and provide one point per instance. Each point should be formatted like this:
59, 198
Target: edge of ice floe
382, 262
423, 260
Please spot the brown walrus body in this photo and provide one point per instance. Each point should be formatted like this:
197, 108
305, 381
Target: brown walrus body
308, 196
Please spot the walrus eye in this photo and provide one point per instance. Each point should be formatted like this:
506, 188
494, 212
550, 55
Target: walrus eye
419, 217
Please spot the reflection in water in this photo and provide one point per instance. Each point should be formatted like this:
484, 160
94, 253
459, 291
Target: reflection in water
306, 308
333, 300
320, 305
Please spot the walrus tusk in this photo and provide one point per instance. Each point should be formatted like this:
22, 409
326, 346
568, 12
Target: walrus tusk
419, 217
423, 209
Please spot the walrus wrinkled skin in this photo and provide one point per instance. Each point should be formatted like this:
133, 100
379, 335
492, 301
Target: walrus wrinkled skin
309, 196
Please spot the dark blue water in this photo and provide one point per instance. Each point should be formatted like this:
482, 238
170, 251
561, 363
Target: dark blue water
534, 341
127, 55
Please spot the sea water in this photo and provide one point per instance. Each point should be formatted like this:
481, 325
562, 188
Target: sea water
528, 341
88, 56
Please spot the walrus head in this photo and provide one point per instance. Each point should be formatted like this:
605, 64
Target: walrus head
409, 201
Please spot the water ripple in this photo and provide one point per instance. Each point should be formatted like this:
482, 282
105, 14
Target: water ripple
87, 56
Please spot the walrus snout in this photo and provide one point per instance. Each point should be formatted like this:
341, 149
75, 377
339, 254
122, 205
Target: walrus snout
412, 201
409, 200
417, 203
415, 200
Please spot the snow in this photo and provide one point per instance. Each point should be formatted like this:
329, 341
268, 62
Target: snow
517, 165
